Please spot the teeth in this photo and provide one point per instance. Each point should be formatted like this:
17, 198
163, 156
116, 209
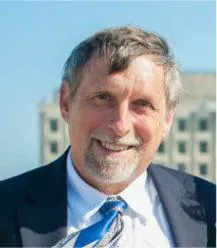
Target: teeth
114, 147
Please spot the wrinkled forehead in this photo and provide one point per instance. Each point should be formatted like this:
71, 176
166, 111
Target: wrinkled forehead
145, 64
141, 73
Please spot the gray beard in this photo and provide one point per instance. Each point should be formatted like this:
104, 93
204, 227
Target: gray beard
108, 170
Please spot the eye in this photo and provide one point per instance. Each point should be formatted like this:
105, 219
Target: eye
102, 99
142, 105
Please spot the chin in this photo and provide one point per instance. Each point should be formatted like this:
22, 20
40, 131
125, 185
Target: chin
110, 179
110, 171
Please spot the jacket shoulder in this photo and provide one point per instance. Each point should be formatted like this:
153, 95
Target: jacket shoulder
14, 189
182, 176
186, 179
203, 190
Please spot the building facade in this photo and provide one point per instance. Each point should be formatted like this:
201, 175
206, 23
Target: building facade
190, 146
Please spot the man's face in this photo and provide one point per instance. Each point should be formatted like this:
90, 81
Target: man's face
116, 122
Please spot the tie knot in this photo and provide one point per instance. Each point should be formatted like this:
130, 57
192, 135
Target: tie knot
113, 204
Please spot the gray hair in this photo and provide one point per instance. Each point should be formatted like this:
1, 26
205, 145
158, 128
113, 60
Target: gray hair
119, 46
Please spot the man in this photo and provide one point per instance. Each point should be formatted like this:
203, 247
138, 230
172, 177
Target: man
118, 95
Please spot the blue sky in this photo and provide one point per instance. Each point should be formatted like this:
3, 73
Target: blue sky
37, 37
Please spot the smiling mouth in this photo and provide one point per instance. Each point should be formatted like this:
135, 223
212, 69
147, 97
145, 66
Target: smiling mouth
113, 147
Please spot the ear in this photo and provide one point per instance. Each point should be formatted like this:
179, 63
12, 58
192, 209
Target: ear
64, 100
168, 122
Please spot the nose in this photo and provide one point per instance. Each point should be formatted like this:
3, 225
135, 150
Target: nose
120, 120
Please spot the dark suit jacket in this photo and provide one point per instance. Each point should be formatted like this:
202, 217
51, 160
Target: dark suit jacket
33, 208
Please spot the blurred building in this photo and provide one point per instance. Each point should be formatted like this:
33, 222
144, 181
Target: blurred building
190, 146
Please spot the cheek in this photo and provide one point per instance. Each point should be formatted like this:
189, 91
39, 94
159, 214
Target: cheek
149, 130
87, 121
144, 130
94, 119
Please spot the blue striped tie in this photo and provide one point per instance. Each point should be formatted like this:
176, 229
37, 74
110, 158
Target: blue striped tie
103, 233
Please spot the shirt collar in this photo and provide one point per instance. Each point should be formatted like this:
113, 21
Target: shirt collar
140, 195
137, 196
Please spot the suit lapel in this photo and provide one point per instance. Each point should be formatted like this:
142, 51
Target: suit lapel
43, 217
186, 216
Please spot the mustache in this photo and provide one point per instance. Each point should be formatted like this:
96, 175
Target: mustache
128, 140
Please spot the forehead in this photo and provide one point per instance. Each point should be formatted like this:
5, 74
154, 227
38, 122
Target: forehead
141, 72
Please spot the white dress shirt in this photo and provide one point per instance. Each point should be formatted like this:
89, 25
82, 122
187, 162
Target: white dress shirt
145, 224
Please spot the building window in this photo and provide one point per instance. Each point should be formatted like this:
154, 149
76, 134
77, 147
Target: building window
161, 148
53, 147
181, 167
182, 125
203, 146
53, 125
182, 147
203, 125
203, 169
